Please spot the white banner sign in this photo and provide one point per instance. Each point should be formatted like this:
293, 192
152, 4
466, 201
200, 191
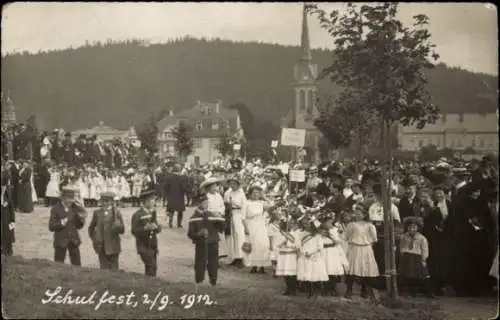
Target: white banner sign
293, 137
236, 147
297, 175
274, 144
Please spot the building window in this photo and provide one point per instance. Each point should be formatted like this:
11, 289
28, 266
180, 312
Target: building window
302, 100
429, 142
168, 136
215, 126
443, 118
481, 142
473, 142
310, 103
227, 124
420, 143
461, 118
197, 143
198, 125
207, 123
459, 142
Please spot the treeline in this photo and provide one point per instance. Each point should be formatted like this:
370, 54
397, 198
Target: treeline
123, 83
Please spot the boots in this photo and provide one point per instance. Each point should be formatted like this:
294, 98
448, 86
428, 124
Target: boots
170, 219
427, 288
291, 286
310, 289
333, 288
374, 294
364, 291
179, 219
349, 280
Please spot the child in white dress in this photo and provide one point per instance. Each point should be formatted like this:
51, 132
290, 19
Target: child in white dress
288, 244
335, 259
53, 192
361, 235
311, 267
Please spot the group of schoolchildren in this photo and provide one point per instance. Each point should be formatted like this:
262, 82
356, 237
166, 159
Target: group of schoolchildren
91, 182
315, 254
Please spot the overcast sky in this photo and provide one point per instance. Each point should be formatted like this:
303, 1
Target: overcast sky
466, 34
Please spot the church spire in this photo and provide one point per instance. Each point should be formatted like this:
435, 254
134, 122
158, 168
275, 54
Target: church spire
304, 43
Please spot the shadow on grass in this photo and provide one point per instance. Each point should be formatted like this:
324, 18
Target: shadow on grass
25, 283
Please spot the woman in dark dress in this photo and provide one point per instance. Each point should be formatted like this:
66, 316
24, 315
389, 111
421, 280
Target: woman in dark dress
24, 191
474, 252
437, 230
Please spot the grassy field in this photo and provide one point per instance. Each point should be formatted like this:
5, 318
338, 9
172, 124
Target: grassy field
237, 295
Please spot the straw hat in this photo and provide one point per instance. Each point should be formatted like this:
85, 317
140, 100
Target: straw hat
210, 181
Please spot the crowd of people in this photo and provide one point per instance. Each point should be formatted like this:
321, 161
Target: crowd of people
314, 233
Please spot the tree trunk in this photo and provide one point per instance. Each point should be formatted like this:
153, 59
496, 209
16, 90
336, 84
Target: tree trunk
387, 211
360, 154
393, 286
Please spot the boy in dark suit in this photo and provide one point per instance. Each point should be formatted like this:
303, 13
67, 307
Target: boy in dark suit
66, 218
104, 231
204, 229
145, 227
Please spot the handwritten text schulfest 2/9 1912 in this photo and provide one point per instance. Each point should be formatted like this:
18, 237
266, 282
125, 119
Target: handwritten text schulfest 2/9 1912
158, 301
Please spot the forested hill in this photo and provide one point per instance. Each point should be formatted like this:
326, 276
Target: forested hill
123, 83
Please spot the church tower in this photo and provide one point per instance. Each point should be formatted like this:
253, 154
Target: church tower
305, 89
8, 111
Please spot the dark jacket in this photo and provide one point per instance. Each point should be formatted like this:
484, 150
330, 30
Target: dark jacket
7, 210
408, 210
176, 187
205, 220
105, 230
145, 240
63, 235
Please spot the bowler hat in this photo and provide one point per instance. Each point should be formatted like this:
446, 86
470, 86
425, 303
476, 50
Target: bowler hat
69, 192
108, 195
148, 193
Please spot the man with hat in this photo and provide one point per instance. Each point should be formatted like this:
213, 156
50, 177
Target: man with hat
24, 188
409, 205
144, 228
176, 188
204, 230
66, 218
8, 218
104, 231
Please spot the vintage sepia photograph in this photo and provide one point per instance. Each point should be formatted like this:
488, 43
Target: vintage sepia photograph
249, 160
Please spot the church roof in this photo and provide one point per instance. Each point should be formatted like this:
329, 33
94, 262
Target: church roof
305, 46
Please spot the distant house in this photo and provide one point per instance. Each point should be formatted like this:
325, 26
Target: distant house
210, 121
475, 131
107, 133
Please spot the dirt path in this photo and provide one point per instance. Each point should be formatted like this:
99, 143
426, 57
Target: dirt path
175, 262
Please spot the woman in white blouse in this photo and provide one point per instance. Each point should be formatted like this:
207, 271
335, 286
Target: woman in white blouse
236, 199
256, 229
